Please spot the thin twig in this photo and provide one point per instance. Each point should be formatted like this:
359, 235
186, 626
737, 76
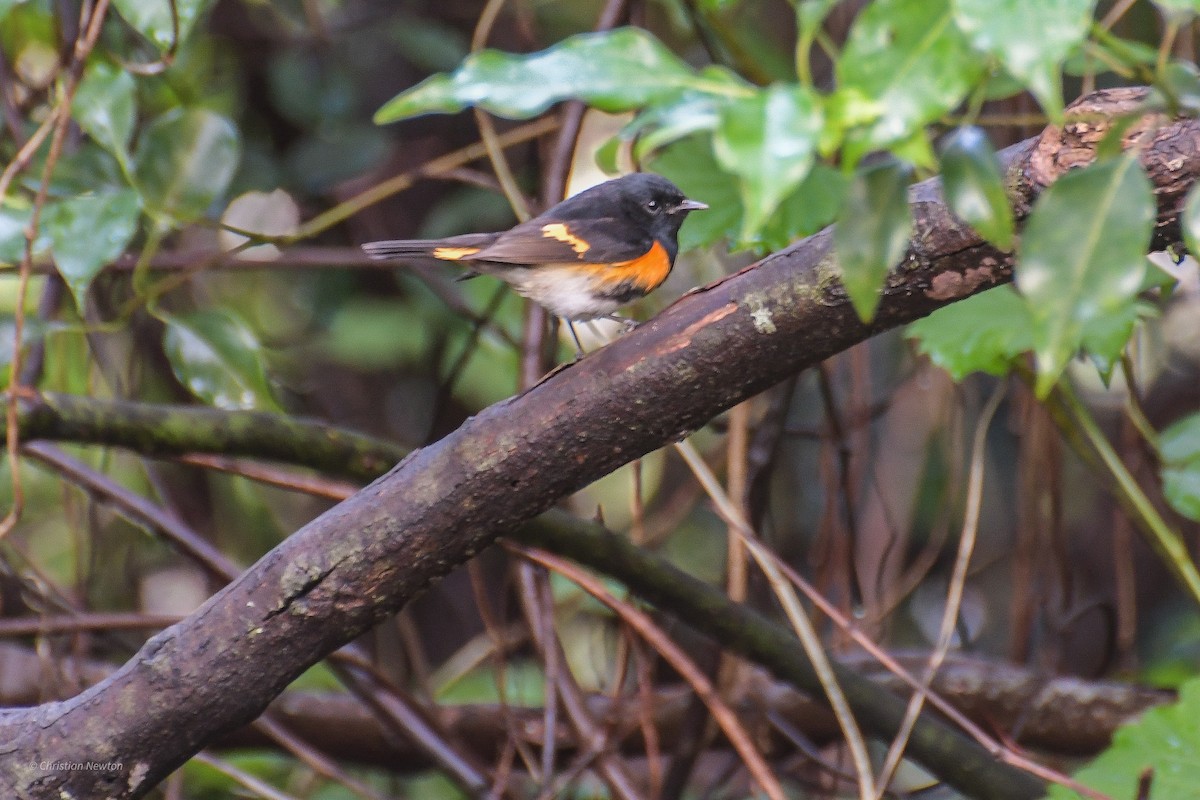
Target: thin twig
433, 168
954, 596
640, 622
800, 622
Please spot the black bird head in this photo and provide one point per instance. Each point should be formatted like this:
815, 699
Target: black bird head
651, 202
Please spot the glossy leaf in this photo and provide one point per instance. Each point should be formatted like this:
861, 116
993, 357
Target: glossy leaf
1031, 38
1083, 255
1165, 740
910, 58
105, 107
1179, 448
768, 141
660, 125
153, 19
983, 333
218, 359
872, 231
973, 187
88, 232
185, 160
617, 70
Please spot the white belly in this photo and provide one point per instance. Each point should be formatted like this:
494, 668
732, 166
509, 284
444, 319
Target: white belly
562, 291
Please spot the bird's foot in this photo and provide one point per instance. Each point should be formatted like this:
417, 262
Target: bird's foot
627, 323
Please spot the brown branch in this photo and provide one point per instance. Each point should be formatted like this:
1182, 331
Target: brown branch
1065, 716
350, 568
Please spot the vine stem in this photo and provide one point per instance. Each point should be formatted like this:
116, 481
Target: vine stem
1077, 422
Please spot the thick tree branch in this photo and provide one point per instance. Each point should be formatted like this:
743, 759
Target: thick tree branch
1060, 715
359, 562
159, 430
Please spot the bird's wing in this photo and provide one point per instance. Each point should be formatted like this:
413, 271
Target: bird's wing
550, 241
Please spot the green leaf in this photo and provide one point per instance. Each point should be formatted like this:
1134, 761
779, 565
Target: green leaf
1083, 255
1180, 443
872, 231
88, 232
1181, 487
217, 357
105, 108
909, 57
660, 125
1165, 739
1177, 89
311, 89
1105, 336
332, 154
810, 208
33, 330
6, 6
973, 187
1190, 221
810, 16
185, 160
12, 234
768, 140
429, 44
617, 70
1031, 38
152, 19
1179, 449
983, 333
691, 165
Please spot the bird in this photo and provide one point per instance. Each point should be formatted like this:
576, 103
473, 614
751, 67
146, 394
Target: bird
581, 259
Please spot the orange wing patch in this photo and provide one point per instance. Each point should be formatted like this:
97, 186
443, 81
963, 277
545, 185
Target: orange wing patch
454, 253
646, 272
559, 231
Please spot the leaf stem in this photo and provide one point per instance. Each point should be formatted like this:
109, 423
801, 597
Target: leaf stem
1079, 427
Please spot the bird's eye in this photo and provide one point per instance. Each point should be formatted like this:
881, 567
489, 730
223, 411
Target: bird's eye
652, 206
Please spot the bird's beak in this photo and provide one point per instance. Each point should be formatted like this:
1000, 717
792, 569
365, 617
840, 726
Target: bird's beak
691, 205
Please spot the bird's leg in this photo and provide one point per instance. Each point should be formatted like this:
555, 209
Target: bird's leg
579, 353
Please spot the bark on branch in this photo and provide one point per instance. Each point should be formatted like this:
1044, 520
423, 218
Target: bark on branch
353, 566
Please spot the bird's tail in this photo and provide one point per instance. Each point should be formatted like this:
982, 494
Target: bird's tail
455, 248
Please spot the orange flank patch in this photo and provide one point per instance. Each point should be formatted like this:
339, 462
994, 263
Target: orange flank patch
454, 253
559, 231
646, 272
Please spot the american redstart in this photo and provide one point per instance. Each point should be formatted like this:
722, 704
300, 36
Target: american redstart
583, 258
